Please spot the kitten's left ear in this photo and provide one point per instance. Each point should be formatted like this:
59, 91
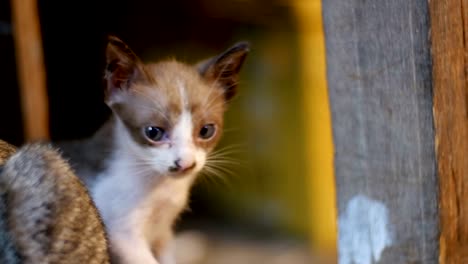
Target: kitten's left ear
224, 68
122, 69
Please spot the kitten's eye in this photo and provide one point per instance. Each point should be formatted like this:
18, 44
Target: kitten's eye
154, 133
207, 131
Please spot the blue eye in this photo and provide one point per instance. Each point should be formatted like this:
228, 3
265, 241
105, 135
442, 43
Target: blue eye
154, 133
207, 131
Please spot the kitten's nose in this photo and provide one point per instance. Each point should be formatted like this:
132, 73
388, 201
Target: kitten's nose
183, 165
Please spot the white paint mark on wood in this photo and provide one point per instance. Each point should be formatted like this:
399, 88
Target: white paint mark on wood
364, 231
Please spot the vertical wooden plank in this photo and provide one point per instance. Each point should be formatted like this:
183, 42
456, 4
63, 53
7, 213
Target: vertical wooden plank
449, 35
380, 90
318, 143
31, 71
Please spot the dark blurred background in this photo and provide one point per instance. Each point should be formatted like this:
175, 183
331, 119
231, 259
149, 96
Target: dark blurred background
264, 198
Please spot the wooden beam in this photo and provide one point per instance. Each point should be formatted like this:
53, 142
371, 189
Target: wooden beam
31, 71
380, 90
449, 35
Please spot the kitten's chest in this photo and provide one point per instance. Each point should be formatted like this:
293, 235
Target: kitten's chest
126, 197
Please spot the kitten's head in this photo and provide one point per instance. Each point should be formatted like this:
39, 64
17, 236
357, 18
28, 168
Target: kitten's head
169, 114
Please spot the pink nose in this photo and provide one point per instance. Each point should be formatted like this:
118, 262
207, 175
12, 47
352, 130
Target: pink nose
182, 165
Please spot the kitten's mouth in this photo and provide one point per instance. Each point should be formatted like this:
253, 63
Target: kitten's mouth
180, 170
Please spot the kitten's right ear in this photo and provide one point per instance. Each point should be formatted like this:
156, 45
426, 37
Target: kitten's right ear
224, 68
123, 67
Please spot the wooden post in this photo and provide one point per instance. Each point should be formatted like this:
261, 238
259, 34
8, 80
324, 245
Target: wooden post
380, 91
31, 71
449, 35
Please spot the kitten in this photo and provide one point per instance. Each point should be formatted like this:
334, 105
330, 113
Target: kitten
46, 214
139, 167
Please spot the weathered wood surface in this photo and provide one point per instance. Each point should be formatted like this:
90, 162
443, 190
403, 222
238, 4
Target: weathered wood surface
449, 37
31, 69
380, 90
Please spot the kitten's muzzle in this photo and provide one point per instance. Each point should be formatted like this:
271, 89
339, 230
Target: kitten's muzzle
180, 166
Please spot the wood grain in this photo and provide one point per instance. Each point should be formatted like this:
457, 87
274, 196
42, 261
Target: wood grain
31, 71
380, 91
449, 27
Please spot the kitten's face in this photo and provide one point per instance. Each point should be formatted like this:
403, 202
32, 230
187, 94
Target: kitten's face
170, 114
173, 119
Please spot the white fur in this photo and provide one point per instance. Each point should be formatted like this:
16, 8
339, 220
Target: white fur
182, 138
137, 185
119, 197
183, 95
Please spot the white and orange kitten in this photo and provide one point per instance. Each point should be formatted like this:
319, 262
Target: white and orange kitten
139, 167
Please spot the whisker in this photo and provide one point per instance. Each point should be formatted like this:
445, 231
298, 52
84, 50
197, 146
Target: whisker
214, 175
221, 94
142, 171
220, 74
158, 109
221, 169
144, 164
224, 162
211, 91
232, 129
212, 178
226, 148
223, 158
209, 104
153, 99
214, 83
155, 110
226, 154
229, 154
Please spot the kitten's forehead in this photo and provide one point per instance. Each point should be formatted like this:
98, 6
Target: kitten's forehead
179, 86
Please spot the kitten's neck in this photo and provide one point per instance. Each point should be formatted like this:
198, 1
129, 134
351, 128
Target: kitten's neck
90, 156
